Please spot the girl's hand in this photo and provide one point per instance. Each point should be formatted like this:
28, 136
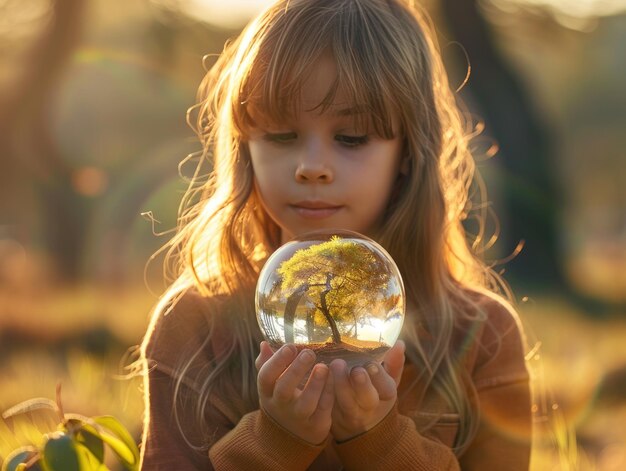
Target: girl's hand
365, 395
305, 412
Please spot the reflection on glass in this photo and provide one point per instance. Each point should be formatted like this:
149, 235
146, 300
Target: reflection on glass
338, 293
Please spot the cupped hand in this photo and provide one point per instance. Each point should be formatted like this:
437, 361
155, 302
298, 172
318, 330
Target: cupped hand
365, 395
304, 412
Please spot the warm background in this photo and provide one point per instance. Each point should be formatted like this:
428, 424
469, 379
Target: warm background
93, 96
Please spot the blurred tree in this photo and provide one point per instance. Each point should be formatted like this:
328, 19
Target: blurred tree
530, 202
49, 196
29, 156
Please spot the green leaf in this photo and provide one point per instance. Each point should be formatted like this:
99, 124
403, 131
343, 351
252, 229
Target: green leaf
16, 457
121, 450
30, 405
87, 461
60, 454
90, 438
121, 443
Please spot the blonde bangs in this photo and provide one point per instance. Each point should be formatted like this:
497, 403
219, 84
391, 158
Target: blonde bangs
279, 67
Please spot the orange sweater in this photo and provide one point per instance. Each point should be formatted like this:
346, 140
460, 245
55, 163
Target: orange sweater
256, 442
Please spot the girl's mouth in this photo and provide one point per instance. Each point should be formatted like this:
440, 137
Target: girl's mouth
315, 209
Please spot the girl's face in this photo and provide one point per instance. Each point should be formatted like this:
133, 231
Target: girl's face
319, 170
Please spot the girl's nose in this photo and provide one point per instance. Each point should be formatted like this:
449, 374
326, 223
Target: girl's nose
314, 165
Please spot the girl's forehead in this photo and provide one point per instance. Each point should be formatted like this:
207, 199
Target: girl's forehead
319, 87
320, 90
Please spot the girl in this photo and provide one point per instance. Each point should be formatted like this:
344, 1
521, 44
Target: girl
332, 114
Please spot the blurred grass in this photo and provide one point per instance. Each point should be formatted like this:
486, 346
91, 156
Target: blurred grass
80, 337
579, 373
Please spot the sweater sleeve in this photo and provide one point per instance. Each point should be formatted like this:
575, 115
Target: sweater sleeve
175, 437
258, 443
255, 442
396, 444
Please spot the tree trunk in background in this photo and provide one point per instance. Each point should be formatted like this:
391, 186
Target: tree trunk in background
530, 199
290, 312
28, 153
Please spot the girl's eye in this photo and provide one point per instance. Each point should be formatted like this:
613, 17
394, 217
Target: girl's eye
280, 138
352, 141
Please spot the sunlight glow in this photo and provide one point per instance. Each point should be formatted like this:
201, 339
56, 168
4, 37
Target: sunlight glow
235, 13
573, 8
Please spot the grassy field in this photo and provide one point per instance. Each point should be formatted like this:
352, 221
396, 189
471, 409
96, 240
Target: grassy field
80, 337
579, 372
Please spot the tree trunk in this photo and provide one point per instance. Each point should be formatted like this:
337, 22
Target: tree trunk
290, 311
326, 311
310, 324
531, 198
28, 152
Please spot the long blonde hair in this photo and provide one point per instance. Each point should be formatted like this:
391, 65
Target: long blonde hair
386, 59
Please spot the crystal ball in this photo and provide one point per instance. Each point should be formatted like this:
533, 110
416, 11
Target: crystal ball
337, 293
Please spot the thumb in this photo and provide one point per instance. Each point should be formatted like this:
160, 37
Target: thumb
265, 354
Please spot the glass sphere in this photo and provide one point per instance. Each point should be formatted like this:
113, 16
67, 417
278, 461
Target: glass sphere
337, 293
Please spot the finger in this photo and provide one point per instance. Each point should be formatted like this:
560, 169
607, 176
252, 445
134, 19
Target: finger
271, 370
394, 361
287, 385
327, 397
365, 393
311, 394
383, 384
265, 354
344, 394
